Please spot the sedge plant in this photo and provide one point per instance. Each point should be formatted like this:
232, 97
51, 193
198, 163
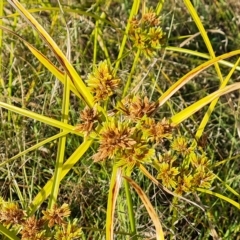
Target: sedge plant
119, 126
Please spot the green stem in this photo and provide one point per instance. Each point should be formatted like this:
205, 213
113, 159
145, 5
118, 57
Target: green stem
61, 146
130, 209
95, 41
134, 11
131, 73
174, 213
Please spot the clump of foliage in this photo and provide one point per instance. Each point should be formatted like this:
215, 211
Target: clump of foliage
52, 225
119, 127
133, 136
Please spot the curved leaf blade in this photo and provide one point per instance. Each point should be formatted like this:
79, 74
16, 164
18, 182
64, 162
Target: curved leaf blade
115, 185
67, 166
152, 213
10, 235
190, 75
36, 146
208, 113
187, 112
71, 72
41, 118
236, 204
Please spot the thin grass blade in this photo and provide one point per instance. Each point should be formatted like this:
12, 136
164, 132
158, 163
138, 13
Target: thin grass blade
199, 54
36, 146
236, 204
45, 61
61, 146
227, 186
203, 32
66, 10
10, 235
213, 103
51, 67
134, 11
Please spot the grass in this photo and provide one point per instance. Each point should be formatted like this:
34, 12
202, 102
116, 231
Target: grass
88, 32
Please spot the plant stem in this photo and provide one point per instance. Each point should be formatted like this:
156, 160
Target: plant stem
131, 73
61, 146
134, 11
130, 209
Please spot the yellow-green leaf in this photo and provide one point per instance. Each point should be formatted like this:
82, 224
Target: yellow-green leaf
190, 75
115, 185
41, 118
71, 72
152, 213
236, 204
187, 112
67, 166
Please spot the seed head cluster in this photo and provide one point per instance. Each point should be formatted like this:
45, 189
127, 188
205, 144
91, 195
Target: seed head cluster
146, 33
52, 225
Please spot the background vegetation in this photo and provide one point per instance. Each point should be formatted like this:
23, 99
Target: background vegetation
26, 83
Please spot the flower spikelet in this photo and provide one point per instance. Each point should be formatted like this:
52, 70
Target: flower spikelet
141, 107
203, 178
102, 82
135, 108
31, 228
114, 138
181, 145
156, 132
89, 117
134, 25
155, 35
150, 18
138, 154
168, 175
198, 160
146, 33
69, 232
11, 214
167, 157
184, 184
56, 215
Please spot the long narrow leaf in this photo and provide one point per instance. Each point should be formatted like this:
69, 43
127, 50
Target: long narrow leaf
61, 146
66, 10
71, 72
236, 204
115, 185
203, 32
41, 118
67, 166
10, 235
152, 213
228, 187
187, 112
134, 11
190, 75
199, 54
45, 61
36, 146
213, 103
